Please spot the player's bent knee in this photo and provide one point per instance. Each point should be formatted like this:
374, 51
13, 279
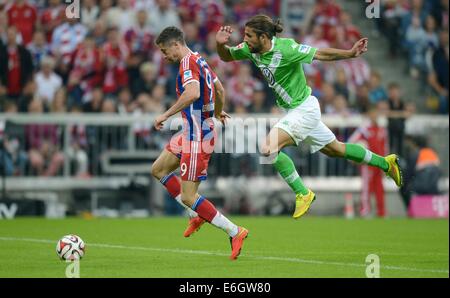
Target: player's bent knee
265, 151
156, 171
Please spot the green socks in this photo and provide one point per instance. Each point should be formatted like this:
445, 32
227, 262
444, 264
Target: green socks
284, 165
360, 154
286, 168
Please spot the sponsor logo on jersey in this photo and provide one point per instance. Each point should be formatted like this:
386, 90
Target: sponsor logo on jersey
304, 49
240, 46
208, 107
268, 75
187, 75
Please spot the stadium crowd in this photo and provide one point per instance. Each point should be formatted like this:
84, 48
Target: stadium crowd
106, 62
418, 30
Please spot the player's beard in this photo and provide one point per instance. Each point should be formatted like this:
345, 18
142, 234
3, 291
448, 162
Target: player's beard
255, 48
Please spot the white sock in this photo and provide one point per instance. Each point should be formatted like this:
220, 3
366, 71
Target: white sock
190, 212
225, 224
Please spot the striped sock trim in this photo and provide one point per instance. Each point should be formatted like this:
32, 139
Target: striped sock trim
165, 178
292, 177
367, 156
197, 203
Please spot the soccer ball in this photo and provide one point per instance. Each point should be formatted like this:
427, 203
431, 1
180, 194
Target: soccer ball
70, 247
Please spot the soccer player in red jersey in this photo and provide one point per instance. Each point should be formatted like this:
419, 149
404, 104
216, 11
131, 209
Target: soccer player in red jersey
197, 88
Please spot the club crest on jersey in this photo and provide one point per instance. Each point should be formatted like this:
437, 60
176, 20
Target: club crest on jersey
304, 49
240, 46
187, 74
268, 75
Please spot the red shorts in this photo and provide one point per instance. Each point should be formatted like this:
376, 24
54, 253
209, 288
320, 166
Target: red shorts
194, 157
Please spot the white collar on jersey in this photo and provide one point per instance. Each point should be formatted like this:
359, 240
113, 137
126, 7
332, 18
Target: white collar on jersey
190, 52
273, 43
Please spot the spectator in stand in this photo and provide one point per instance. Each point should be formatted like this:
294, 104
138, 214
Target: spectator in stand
350, 32
416, 11
316, 39
432, 39
327, 97
105, 6
259, 102
438, 73
121, 16
116, 55
148, 79
146, 5
94, 105
191, 35
124, 105
440, 13
376, 91
241, 87
158, 97
108, 107
421, 169
339, 107
47, 81
396, 119
392, 14
209, 17
99, 32
416, 45
42, 143
327, 14
90, 12
244, 10
86, 71
23, 16
362, 98
341, 84
16, 68
52, 17
38, 48
164, 15
13, 158
59, 103
357, 71
139, 39
65, 41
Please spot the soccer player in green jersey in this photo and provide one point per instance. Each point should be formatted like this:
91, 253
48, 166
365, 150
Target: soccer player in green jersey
280, 61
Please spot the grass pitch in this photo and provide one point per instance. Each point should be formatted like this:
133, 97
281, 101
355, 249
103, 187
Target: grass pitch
276, 247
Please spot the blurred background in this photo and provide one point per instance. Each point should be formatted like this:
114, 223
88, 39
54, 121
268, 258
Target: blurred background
78, 97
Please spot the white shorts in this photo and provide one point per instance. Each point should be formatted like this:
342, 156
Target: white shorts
303, 124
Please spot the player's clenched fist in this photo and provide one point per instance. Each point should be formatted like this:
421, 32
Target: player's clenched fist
159, 122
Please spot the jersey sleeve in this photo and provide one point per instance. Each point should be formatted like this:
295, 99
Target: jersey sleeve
240, 52
300, 52
189, 71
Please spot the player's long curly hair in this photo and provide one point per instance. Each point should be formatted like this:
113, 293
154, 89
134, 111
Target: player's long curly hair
263, 24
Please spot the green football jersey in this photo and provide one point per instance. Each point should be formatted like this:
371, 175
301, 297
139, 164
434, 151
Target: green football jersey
282, 68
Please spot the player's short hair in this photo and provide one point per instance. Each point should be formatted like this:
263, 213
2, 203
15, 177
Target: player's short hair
170, 34
263, 24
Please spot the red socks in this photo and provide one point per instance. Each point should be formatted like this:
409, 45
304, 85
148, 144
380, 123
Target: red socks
205, 209
172, 183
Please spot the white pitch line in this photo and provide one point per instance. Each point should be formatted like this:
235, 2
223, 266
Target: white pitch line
204, 252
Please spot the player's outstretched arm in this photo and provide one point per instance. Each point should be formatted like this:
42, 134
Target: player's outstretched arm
330, 54
220, 101
222, 37
190, 94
